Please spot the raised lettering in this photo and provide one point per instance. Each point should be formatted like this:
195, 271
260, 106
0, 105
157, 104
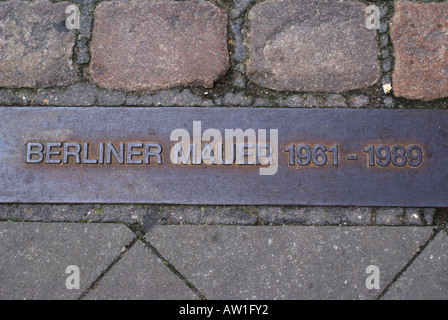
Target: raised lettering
30, 152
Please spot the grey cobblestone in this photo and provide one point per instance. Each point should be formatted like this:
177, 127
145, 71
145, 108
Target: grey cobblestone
384, 40
148, 215
334, 216
293, 101
311, 101
358, 101
240, 8
389, 216
6, 97
239, 82
429, 215
413, 216
86, 20
227, 215
383, 27
132, 99
22, 97
389, 102
278, 28
240, 49
111, 98
387, 65
262, 102
295, 215
238, 99
336, 100
125, 213
180, 214
356, 216
83, 52
173, 98
316, 216
77, 94
271, 214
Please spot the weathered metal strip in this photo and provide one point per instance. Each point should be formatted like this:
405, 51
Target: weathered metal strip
323, 156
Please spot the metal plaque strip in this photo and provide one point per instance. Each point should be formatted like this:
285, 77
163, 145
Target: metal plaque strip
237, 156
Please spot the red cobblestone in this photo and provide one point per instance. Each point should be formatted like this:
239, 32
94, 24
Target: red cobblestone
419, 33
150, 45
312, 45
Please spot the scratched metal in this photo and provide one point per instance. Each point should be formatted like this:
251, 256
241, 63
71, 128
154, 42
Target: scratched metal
352, 182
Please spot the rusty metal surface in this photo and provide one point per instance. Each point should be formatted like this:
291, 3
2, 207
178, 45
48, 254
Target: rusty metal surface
368, 169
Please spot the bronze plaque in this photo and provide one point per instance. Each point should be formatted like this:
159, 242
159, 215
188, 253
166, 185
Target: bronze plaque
238, 156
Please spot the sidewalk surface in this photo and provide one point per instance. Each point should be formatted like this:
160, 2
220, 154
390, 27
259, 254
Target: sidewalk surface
147, 252
208, 53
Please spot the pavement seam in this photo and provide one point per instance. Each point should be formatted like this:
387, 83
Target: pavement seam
409, 263
109, 267
140, 233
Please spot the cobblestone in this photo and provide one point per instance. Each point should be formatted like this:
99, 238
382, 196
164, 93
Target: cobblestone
76, 95
390, 216
35, 46
173, 98
335, 54
358, 101
111, 98
419, 33
148, 215
356, 216
336, 100
146, 45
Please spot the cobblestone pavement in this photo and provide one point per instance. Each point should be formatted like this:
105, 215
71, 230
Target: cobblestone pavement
240, 53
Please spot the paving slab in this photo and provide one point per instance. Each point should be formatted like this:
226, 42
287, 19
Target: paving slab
257, 262
34, 257
140, 274
427, 277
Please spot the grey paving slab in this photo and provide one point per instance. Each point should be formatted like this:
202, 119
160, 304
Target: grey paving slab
140, 274
286, 262
34, 257
427, 276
